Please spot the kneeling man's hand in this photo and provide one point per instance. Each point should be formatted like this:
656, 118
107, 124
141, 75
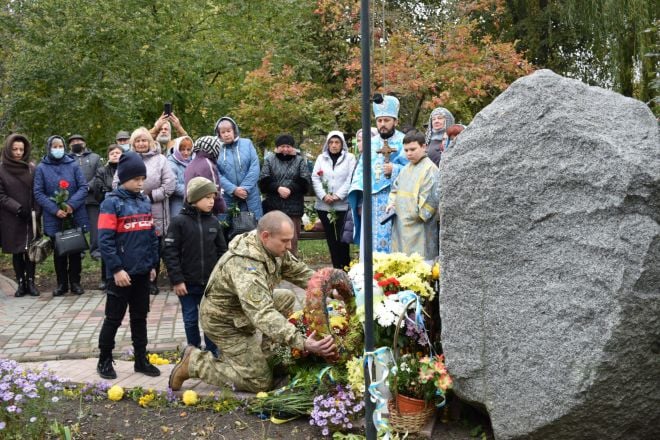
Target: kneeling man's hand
325, 347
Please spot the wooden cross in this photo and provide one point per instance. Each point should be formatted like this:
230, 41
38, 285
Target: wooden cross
386, 151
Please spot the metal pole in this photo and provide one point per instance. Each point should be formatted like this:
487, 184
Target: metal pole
366, 241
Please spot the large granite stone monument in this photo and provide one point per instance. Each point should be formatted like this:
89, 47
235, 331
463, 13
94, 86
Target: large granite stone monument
550, 253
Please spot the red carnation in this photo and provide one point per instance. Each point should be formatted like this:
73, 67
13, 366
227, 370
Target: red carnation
64, 184
319, 173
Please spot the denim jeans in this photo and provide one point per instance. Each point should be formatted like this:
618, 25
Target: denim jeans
190, 311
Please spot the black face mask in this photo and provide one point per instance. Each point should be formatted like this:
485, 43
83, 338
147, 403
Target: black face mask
284, 157
77, 148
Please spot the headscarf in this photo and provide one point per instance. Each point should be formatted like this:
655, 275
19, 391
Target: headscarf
209, 145
49, 145
175, 150
19, 168
449, 120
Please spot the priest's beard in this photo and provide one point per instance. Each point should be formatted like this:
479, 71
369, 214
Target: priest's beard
386, 134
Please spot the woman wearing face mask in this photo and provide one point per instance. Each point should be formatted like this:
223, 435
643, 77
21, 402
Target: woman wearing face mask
102, 184
284, 181
16, 206
179, 158
56, 167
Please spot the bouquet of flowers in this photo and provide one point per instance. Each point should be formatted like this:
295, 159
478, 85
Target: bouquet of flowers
394, 273
336, 410
60, 198
332, 213
424, 378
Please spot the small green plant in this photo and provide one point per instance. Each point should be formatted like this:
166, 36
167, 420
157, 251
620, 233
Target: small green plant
63, 432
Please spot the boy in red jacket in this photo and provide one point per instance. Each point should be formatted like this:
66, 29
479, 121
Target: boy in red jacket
129, 248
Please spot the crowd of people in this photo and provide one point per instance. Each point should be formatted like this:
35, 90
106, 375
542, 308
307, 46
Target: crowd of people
157, 198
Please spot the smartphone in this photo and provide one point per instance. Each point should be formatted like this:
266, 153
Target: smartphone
167, 109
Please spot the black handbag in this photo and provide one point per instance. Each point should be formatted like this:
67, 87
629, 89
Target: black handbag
40, 246
241, 222
70, 241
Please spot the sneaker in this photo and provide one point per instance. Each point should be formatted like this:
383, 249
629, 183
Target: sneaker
105, 369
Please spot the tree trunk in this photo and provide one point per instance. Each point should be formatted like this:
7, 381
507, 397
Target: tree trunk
418, 108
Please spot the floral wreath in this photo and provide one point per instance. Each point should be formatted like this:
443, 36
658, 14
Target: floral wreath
329, 310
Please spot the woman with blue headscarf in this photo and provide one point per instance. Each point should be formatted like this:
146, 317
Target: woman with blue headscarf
436, 139
59, 171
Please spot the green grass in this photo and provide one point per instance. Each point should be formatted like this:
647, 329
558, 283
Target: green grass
313, 252
316, 253
91, 270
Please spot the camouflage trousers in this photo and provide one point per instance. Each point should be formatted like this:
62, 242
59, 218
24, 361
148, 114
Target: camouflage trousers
242, 361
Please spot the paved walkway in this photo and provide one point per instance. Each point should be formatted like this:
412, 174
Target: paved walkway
62, 334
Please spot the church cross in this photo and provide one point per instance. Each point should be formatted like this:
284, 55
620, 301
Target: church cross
386, 151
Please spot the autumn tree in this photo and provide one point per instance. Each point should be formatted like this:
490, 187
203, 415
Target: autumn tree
601, 42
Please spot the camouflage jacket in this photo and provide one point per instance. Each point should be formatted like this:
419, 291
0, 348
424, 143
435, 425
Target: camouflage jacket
239, 295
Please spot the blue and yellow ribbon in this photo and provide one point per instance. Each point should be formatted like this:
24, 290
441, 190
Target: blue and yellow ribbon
382, 357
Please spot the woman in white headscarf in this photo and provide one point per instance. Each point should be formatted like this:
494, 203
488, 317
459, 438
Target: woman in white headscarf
436, 139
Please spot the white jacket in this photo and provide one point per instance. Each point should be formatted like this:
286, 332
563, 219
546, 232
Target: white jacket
338, 177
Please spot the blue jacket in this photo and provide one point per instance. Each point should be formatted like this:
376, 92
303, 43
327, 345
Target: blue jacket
127, 235
46, 182
179, 195
238, 165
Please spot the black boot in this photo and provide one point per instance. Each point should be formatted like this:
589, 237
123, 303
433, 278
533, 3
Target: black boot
31, 288
18, 261
60, 263
105, 368
77, 289
143, 366
60, 290
20, 290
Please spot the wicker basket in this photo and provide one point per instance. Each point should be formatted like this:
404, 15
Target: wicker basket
411, 423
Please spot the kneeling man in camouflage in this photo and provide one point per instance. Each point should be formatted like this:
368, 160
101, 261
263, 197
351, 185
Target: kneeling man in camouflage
240, 299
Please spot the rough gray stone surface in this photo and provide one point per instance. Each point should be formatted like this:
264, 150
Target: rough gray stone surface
550, 253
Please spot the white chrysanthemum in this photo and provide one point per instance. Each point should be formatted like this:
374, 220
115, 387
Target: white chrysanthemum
383, 315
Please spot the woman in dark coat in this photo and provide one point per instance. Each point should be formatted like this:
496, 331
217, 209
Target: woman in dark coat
284, 181
16, 206
55, 167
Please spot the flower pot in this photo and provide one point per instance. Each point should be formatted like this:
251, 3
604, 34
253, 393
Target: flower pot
409, 405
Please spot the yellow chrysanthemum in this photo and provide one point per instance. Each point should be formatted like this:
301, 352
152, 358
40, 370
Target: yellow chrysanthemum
355, 370
435, 273
190, 397
115, 393
339, 322
261, 395
296, 315
154, 359
146, 399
